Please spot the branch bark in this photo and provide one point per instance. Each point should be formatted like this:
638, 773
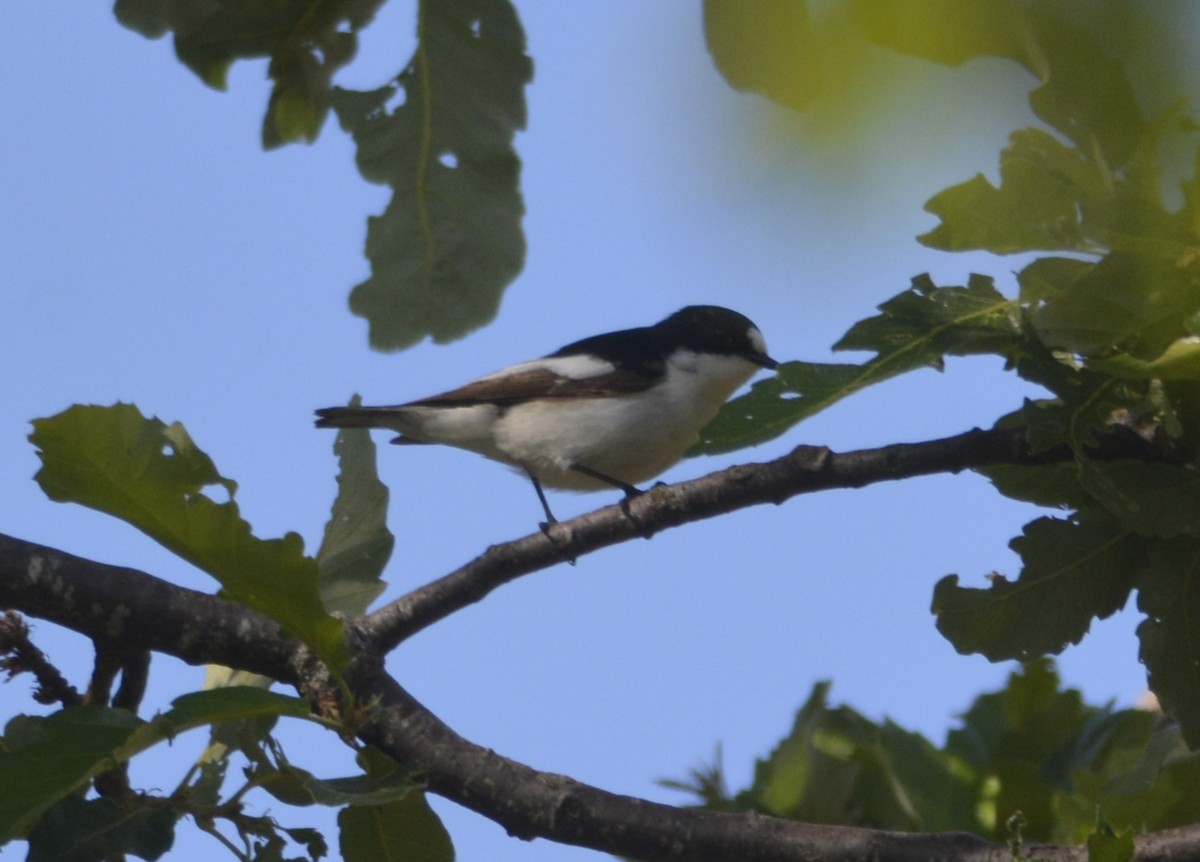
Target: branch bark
139, 611
804, 470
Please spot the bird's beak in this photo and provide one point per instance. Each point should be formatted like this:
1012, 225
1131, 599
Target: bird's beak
761, 359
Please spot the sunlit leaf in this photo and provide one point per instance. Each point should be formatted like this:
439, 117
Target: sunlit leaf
1180, 361
1104, 845
767, 47
1133, 302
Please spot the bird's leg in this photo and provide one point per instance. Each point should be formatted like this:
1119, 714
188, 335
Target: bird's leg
550, 521
631, 491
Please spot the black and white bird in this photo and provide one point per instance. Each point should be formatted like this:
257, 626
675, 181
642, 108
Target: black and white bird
608, 411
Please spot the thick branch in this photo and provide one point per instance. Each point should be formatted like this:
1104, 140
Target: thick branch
139, 611
532, 804
804, 470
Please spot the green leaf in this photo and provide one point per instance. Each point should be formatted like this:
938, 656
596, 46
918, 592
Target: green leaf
1052, 485
44, 759
1073, 571
947, 31
771, 49
916, 329
1104, 845
357, 542
1169, 596
307, 43
1085, 93
1012, 738
1160, 500
1047, 278
1046, 191
915, 786
450, 240
1180, 361
837, 767
298, 787
78, 830
406, 830
153, 476
807, 777
243, 734
226, 704
1135, 303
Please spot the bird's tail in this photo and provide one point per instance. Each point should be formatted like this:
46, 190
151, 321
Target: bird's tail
356, 417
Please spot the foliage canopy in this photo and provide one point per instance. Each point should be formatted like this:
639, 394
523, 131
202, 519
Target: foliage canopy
1105, 320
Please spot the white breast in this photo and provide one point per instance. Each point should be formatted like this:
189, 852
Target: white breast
631, 437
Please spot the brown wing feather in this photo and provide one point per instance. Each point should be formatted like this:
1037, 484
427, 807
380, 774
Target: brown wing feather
537, 383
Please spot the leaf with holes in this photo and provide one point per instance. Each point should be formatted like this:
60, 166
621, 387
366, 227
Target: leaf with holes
450, 240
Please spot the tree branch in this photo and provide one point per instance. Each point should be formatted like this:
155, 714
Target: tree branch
804, 470
142, 612
24, 657
531, 804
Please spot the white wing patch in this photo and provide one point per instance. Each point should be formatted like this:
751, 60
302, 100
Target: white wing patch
579, 367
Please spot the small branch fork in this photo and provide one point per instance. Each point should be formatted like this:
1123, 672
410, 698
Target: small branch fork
139, 612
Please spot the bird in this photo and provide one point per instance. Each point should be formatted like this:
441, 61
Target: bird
609, 411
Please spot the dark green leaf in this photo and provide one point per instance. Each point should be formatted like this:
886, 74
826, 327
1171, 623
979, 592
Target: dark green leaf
357, 542
450, 241
1161, 500
797, 391
1053, 485
1169, 596
1046, 190
153, 476
227, 704
44, 759
296, 786
306, 42
406, 830
95, 830
1072, 572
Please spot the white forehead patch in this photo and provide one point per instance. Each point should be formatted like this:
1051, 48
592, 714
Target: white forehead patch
756, 339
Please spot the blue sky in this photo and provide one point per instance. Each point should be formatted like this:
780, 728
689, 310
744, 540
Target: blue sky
154, 254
